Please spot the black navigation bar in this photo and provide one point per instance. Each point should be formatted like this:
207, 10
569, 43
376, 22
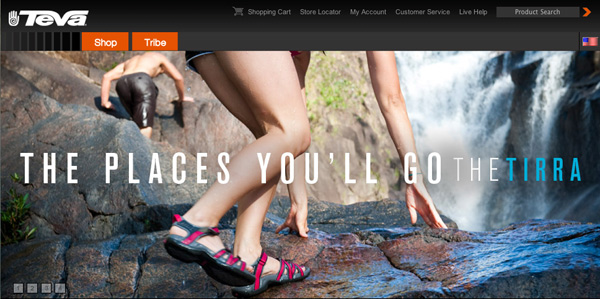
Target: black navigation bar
197, 16
450, 41
490, 25
508, 41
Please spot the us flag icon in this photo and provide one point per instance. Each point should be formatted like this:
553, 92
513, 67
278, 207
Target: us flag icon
590, 41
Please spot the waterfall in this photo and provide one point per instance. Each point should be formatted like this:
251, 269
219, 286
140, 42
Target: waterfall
459, 106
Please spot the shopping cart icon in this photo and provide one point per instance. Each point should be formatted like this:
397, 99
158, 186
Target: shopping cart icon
238, 11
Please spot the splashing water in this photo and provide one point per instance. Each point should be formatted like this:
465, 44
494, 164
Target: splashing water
461, 111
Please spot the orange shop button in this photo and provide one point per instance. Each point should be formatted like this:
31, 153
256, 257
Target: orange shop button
105, 41
144, 41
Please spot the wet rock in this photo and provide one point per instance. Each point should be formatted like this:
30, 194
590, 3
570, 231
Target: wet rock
353, 270
34, 261
125, 264
338, 218
537, 258
502, 64
576, 131
293, 248
88, 267
164, 276
528, 259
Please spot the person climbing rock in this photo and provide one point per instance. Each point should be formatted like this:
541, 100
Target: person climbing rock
136, 89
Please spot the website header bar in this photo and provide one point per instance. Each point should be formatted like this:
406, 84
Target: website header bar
195, 25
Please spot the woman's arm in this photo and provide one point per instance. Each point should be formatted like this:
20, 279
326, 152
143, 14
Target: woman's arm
386, 85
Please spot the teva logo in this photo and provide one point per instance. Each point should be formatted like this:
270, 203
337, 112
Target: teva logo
48, 17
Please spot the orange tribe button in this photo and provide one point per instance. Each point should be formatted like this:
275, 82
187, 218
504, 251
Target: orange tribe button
148, 41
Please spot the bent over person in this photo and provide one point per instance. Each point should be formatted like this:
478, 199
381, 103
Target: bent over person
136, 89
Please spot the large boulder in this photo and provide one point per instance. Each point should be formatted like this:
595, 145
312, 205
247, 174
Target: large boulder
537, 258
35, 123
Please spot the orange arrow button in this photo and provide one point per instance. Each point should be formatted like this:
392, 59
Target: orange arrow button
587, 12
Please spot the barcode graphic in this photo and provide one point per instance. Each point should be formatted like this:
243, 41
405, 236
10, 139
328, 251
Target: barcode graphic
41, 41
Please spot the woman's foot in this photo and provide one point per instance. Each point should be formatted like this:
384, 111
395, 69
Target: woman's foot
190, 243
269, 272
272, 266
212, 242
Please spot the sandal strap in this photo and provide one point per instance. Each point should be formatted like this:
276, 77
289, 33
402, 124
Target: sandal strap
261, 259
194, 232
229, 259
258, 268
291, 267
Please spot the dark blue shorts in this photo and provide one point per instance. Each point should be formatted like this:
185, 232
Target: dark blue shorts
191, 55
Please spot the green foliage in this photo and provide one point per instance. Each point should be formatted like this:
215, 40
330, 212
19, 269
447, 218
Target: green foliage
379, 189
335, 94
147, 225
112, 66
15, 177
14, 212
332, 89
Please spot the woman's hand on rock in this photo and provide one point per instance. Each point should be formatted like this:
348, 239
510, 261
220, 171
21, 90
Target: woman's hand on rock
296, 220
419, 201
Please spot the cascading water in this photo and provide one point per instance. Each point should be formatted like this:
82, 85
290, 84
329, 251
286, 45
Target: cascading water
461, 109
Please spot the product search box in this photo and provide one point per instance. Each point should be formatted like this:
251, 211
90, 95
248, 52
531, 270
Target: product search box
537, 12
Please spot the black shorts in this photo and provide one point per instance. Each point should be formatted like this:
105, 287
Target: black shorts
191, 55
138, 94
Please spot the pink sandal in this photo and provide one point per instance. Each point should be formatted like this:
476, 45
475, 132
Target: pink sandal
220, 265
261, 284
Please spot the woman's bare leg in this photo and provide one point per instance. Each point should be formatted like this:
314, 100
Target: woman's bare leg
223, 88
297, 216
269, 85
252, 208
